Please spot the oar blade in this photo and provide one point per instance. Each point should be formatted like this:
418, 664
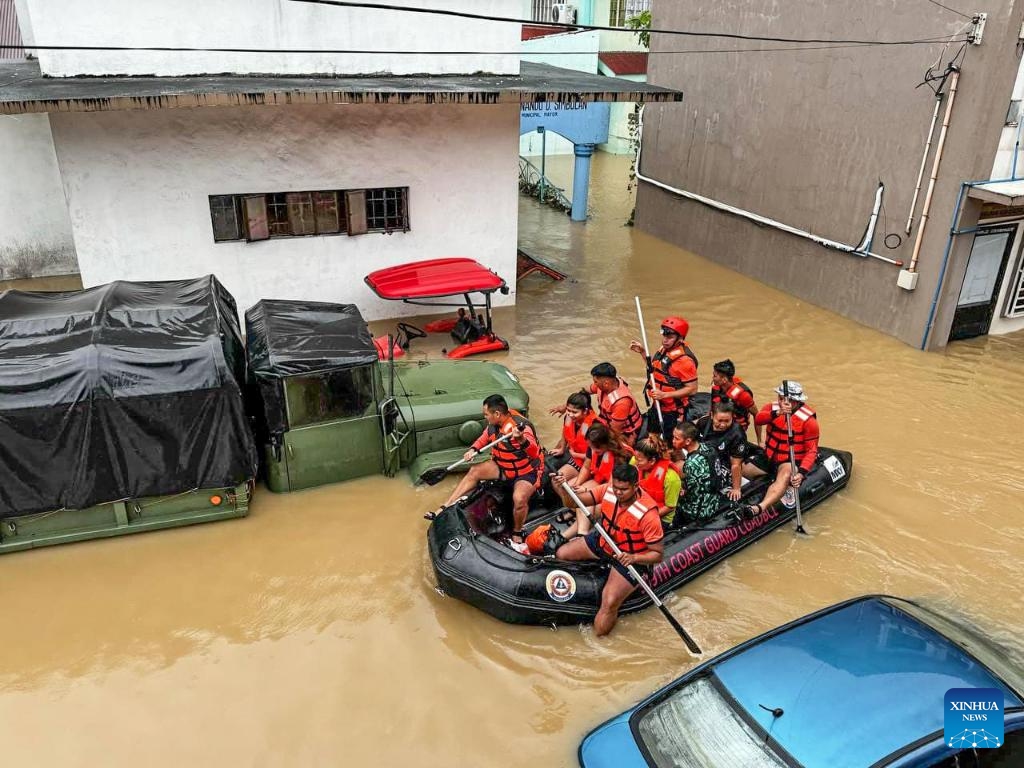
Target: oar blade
691, 644
433, 476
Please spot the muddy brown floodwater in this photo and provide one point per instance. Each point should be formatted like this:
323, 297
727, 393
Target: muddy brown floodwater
310, 633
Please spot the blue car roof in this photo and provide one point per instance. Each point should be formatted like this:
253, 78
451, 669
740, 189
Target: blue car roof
855, 684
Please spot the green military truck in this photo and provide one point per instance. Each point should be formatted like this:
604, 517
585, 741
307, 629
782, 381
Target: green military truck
326, 408
122, 409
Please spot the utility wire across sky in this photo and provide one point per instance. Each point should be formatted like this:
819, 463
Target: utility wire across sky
652, 30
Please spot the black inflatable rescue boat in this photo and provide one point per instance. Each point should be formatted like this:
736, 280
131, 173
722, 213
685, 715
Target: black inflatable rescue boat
473, 563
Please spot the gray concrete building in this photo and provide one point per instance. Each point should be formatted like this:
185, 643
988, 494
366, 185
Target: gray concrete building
883, 152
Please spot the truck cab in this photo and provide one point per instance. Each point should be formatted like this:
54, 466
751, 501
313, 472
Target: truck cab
326, 409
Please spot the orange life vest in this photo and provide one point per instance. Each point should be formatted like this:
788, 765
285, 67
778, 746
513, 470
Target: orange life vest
653, 480
633, 421
575, 433
623, 524
734, 393
515, 460
776, 440
661, 367
601, 466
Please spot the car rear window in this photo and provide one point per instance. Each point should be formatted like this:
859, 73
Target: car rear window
695, 726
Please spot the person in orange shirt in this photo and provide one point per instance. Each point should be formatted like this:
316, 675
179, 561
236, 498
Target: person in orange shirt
630, 516
605, 450
674, 368
518, 461
567, 457
617, 407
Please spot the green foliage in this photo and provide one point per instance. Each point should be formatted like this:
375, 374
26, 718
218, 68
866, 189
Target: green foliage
642, 24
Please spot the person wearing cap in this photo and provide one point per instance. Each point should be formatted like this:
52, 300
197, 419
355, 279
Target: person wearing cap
674, 369
774, 459
726, 386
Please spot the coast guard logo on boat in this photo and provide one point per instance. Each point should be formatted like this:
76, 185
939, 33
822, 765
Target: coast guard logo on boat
973, 718
561, 586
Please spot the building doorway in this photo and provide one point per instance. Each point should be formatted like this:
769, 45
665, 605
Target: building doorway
979, 293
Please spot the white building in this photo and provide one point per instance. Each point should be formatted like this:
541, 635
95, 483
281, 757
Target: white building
296, 174
35, 232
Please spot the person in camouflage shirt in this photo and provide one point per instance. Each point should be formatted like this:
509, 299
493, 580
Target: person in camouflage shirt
699, 500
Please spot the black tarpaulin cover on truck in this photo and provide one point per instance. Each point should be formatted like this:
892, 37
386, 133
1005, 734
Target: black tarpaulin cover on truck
300, 338
121, 391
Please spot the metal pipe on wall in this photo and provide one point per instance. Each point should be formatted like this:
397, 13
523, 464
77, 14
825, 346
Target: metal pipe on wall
924, 159
926, 208
749, 215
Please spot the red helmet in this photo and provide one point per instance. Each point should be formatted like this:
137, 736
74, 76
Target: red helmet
538, 538
677, 325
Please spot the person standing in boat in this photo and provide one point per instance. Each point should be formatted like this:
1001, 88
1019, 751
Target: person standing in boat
727, 386
658, 477
720, 431
518, 461
699, 499
605, 450
616, 405
674, 368
774, 459
630, 516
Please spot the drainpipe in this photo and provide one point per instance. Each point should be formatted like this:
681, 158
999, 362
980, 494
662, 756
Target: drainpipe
749, 215
926, 208
924, 159
1016, 146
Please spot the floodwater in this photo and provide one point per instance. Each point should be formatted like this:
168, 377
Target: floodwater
310, 632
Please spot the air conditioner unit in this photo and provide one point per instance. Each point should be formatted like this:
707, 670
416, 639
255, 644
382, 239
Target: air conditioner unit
563, 13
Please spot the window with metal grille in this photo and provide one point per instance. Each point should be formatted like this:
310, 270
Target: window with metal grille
268, 215
387, 209
541, 10
1015, 296
623, 10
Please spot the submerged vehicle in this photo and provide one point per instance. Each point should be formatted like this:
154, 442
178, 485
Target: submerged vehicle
859, 684
327, 409
121, 410
473, 563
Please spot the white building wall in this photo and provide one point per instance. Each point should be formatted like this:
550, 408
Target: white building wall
270, 24
35, 231
573, 50
138, 182
1002, 168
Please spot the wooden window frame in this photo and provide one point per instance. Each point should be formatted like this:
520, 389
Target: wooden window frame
265, 215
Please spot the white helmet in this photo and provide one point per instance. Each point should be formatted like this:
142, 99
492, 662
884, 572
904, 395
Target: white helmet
792, 390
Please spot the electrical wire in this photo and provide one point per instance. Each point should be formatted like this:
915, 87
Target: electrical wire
951, 10
183, 49
558, 25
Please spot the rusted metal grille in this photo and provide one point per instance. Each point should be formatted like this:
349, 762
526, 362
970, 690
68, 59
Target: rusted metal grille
261, 216
10, 33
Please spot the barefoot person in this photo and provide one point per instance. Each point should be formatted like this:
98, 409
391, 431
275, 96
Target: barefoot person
630, 517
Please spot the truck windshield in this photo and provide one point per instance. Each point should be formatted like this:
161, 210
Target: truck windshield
695, 726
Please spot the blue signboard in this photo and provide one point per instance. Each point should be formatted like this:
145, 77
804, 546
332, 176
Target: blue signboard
580, 123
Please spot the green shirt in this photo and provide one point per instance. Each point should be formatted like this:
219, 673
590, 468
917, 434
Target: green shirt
700, 498
673, 486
